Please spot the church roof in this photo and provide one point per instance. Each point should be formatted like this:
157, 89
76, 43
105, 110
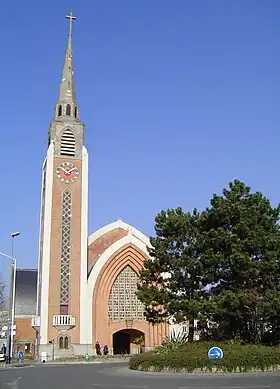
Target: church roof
121, 225
105, 238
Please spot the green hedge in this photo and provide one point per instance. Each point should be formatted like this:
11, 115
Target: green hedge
193, 357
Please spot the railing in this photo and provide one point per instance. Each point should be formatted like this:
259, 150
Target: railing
35, 322
64, 320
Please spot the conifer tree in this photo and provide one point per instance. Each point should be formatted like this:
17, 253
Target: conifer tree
220, 266
171, 280
241, 254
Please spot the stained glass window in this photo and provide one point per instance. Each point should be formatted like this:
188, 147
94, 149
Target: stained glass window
123, 303
65, 247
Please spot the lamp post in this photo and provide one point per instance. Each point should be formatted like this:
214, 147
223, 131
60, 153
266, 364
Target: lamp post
9, 311
12, 298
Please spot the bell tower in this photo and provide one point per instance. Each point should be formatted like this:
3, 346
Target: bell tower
62, 265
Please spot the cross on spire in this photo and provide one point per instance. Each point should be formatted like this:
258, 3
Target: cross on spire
67, 87
71, 18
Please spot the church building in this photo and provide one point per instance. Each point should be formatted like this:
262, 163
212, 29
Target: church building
85, 283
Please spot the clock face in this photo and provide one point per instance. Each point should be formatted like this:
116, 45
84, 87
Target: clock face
67, 172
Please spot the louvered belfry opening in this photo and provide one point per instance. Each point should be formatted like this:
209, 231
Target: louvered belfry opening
68, 110
59, 110
67, 147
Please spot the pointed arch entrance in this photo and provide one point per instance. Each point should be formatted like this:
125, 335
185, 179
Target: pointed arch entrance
128, 253
118, 273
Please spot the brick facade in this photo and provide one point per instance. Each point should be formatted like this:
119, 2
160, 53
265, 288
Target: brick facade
25, 339
55, 255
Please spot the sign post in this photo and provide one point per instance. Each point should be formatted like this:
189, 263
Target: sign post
215, 353
20, 356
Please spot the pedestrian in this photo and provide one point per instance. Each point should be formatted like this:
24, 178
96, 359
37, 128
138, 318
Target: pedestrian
97, 348
105, 350
4, 349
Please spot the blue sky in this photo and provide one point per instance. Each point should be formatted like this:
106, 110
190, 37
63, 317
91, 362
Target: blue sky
178, 96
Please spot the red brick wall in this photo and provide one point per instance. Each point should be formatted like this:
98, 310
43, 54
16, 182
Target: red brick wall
24, 329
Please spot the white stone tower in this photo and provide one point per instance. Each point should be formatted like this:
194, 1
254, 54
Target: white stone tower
62, 264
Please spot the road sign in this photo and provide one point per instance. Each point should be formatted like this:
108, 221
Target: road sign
20, 355
215, 353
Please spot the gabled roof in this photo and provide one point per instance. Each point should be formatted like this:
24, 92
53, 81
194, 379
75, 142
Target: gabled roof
118, 224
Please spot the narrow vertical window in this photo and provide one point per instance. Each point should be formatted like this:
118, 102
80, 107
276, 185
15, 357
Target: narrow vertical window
59, 110
66, 342
68, 109
76, 112
65, 250
61, 342
64, 309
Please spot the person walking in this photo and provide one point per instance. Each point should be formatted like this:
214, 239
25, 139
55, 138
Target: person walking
97, 348
105, 350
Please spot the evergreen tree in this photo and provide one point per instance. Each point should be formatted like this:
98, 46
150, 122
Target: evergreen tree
241, 253
171, 280
221, 266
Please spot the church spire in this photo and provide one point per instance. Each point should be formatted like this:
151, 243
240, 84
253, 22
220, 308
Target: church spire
66, 104
67, 87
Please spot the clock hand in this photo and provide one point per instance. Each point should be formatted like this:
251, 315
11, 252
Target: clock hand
65, 171
69, 171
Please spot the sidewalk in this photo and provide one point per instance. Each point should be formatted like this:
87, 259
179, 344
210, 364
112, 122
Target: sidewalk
65, 362
97, 360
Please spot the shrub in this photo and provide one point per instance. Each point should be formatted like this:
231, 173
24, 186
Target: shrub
192, 357
172, 343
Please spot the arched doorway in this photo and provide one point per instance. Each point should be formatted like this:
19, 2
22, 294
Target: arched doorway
121, 342
128, 341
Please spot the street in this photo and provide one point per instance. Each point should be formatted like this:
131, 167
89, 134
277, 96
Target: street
110, 376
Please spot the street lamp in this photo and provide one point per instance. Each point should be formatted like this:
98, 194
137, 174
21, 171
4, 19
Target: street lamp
12, 303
